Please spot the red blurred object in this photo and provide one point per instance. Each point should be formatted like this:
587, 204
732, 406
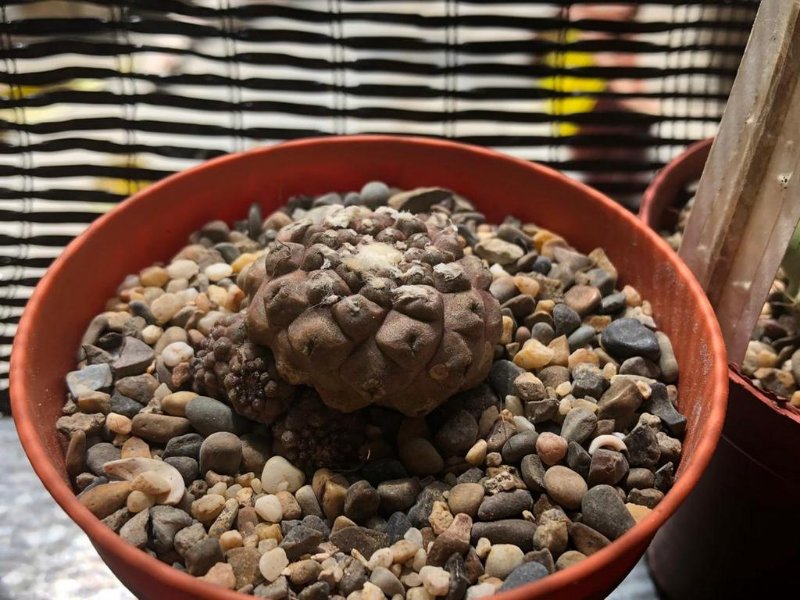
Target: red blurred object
742, 512
153, 224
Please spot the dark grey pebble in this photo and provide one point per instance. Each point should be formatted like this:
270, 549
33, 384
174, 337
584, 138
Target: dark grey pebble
458, 577
582, 336
532, 472
649, 497
638, 365
543, 332
383, 469
165, 522
519, 445
134, 358
277, 590
525, 573
398, 494
100, 454
209, 416
354, 576
578, 425
661, 406
202, 556
184, 445
608, 467
502, 376
508, 531
361, 501
366, 541
626, 337
603, 510
89, 379
565, 320
230, 252
457, 434
665, 477
374, 194
187, 467
419, 513
505, 505
137, 387
396, 526
642, 445
612, 304
221, 452
578, 459
473, 475
316, 591
300, 540
588, 381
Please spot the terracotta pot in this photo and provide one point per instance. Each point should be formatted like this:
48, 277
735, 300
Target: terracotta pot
154, 224
736, 535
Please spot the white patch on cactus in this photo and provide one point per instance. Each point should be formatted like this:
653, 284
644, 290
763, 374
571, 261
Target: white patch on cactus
373, 257
413, 292
448, 271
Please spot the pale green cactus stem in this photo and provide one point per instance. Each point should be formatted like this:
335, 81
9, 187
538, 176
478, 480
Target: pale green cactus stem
791, 265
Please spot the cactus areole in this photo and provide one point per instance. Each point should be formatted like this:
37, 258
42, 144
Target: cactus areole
375, 307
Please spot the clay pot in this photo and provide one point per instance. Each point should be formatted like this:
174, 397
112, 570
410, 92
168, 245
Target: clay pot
736, 535
154, 224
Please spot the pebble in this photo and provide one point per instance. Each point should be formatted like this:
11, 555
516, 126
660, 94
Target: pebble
420, 457
182, 269
608, 467
583, 299
643, 448
104, 499
301, 540
440, 517
177, 352
277, 590
637, 511
387, 581
604, 511
272, 563
398, 526
184, 445
244, 562
75, 458
498, 251
221, 574
620, 400
551, 448
519, 445
507, 531
569, 558
94, 402
476, 455
100, 454
175, 403
565, 486
218, 271
505, 505
362, 501
435, 580
133, 359
165, 522
480, 590
226, 518
466, 498
89, 379
502, 559
135, 447
660, 405
269, 508
457, 435
307, 500
366, 541
207, 508
158, 428
552, 533
291, 508
135, 531
221, 452
209, 416
502, 376
579, 425
455, 539
397, 494
354, 575
627, 337
533, 355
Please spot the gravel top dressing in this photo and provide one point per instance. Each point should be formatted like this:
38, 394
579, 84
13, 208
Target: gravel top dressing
772, 359
373, 394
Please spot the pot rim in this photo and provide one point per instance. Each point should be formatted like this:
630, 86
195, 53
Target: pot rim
111, 543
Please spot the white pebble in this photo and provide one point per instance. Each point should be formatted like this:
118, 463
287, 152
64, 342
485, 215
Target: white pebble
151, 333
479, 591
267, 545
414, 536
482, 548
384, 557
279, 474
183, 269
420, 558
176, 353
272, 563
165, 306
269, 508
435, 580
218, 271
411, 580
372, 592
502, 559
188, 295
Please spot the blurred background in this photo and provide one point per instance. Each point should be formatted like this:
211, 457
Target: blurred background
99, 99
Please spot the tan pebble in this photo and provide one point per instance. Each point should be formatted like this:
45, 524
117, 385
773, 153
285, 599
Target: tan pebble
417, 593
563, 388
795, 400
218, 271
233, 490
560, 348
207, 508
118, 423
435, 580
403, 551
638, 512
165, 307
153, 276
245, 479
582, 356
94, 402
569, 558
230, 539
632, 297
217, 294
183, 268
533, 355
219, 488
175, 404
269, 532
104, 499
502, 559
138, 501
411, 580
494, 459
440, 518
151, 334
151, 483
245, 496
235, 297
482, 548
272, 563
372, 592
420, 558
221, 574
291, 509
609, 370
333, 496
135, 447
599, 322
477, 454
267, 545
255, 484
241, 261
507, 335
383, 557
342, 522
527, 285
551, 448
